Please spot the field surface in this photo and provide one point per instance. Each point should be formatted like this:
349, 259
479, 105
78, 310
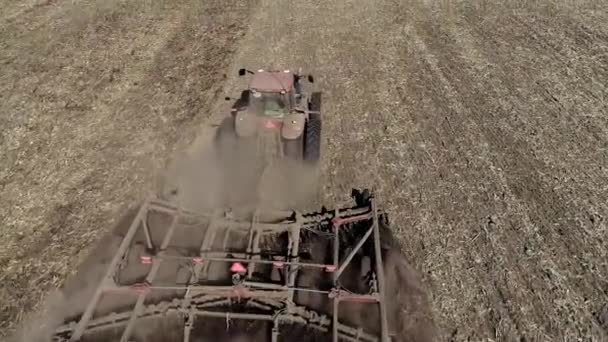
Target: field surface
483, 126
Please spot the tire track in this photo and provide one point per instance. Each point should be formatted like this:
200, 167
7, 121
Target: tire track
544, 203
495, 294
452, 68
584, 233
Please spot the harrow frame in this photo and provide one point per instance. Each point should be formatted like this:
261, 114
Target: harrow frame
276, 300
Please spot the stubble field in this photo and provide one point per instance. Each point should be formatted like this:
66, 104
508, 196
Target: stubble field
483, 126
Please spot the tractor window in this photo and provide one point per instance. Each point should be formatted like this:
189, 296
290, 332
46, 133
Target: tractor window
269, 104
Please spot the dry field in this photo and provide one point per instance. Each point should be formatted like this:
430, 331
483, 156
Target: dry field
483, 125
94, 97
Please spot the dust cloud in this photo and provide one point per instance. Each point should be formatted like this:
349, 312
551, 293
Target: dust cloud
216, 176
41, 326
71, 300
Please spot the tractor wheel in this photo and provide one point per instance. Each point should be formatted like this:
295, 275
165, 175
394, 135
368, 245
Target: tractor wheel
315, 102
312, 134
242, 101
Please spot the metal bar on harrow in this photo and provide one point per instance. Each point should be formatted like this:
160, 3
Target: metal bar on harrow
250, 232
167, 208
251, 288
194, 277
351, 255
149, 279
256, 251
244, 260
342, 331
308, 220
336, 300
108, 277
147, 234
260, 226
186, 305
234, 315
335, 312
380, 274
302, 316
214, 304
208, 240
225, 291
275, 331
294, 258
114, 319
253, 245
264, 285
311, 219
254, 303
348, 297
338, 221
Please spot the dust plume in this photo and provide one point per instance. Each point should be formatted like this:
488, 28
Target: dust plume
41, 326
210, 177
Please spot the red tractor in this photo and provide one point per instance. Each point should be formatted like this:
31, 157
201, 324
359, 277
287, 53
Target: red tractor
276, 104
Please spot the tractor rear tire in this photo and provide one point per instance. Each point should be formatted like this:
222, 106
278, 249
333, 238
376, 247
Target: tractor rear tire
312, 134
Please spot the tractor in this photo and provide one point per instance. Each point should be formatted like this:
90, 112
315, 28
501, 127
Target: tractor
276, 105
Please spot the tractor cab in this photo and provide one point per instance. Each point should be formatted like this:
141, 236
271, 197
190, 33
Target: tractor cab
276, 104
268, 104
272, 93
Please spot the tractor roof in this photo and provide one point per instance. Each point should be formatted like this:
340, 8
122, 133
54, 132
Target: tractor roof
272, 81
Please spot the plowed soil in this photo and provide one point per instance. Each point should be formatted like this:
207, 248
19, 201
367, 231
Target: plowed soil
94, 96
483, 126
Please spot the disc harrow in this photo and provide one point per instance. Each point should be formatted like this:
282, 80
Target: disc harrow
274, 244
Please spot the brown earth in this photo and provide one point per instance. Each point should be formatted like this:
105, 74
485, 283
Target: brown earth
95, 96
482, 126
